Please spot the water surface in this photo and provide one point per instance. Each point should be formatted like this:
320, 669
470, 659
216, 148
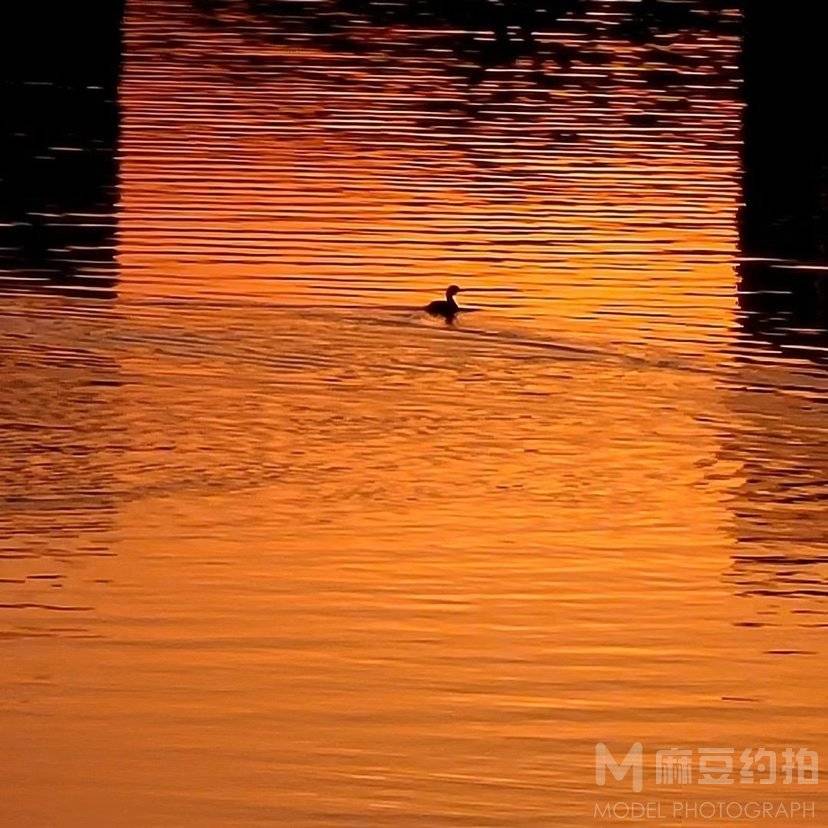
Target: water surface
278, 549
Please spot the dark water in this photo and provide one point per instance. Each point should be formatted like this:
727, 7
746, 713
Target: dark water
277, 548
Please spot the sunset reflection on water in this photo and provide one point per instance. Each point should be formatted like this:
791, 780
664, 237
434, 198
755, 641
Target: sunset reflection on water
278, 548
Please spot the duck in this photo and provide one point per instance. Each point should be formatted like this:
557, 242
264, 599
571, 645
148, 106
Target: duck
448, 307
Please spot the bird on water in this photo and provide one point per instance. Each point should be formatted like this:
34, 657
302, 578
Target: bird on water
448, 307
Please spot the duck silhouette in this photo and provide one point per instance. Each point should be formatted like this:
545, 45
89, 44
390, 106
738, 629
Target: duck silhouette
448, 307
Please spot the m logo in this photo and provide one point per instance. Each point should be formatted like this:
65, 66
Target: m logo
633, 761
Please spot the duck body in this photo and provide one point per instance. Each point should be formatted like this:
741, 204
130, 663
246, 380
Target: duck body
442, 307
448, 307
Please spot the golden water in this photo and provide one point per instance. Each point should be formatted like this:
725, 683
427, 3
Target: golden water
278, 549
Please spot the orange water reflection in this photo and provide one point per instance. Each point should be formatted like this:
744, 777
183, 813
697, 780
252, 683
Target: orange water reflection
328, 562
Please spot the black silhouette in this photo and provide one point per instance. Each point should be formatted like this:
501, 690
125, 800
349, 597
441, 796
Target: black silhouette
58, 167
448, 307
784, 222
